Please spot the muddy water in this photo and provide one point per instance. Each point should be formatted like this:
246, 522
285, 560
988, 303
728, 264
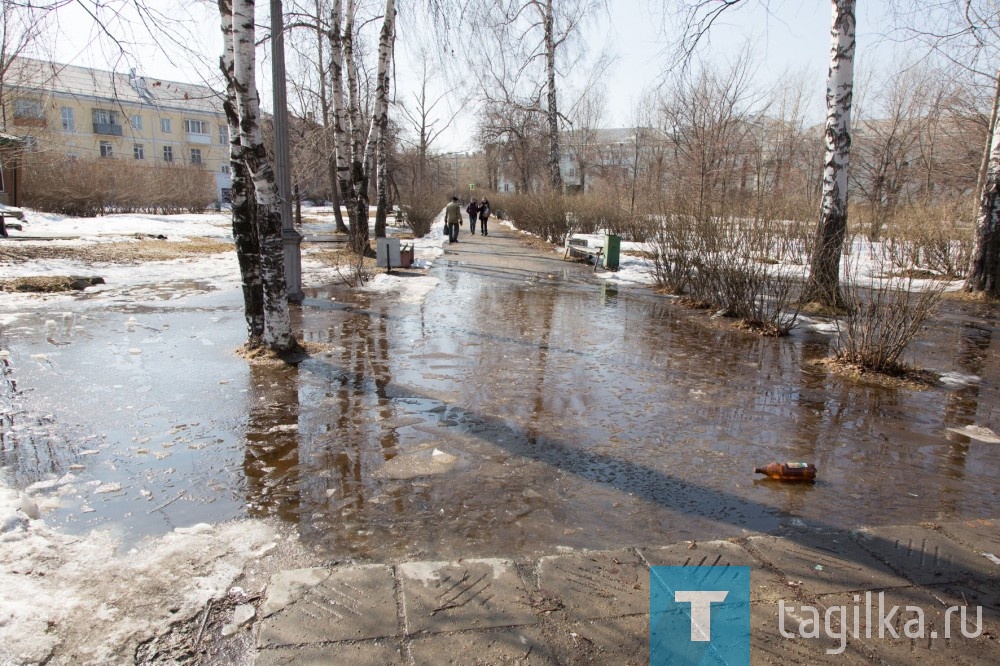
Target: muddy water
508, 413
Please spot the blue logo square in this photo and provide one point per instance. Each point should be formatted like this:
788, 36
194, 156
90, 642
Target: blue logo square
699, 616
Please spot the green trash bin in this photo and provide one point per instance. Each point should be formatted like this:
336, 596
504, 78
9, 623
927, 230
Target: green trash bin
612, 248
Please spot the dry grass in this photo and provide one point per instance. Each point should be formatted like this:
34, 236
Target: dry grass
901, 377
115, 253
47, 284
345, 259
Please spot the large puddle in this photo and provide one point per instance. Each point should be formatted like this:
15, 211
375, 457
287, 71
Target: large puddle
505, 415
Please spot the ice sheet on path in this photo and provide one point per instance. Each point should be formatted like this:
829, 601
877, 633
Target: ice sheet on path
959, 379
979, 433
410, 289
84, 598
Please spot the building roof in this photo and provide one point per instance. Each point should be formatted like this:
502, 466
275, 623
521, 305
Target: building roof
132, 88
613, 135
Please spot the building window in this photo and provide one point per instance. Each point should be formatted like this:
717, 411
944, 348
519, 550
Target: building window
107, 150
28, 108
224, 169
196, 156
227, 195
139, 151
196, 126
106, 122
223, 135
105, 117
168, 154
68, 121
165, 125
137, 122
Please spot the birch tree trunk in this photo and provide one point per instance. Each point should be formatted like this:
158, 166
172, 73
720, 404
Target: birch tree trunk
359, 166
277, 323
380, 117
242, 196
824, 271
340, 123
325, 109
984, 267
555, 175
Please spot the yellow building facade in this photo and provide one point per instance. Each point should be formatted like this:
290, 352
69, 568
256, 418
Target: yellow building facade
88, 113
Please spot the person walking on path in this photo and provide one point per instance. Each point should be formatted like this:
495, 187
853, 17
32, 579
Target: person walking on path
473, 210
484, 215
452, 218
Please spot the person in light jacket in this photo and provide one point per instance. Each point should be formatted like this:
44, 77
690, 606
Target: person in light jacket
473, 210
484, 215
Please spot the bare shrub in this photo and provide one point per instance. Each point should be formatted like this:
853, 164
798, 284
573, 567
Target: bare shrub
938, 239
544, 214
420, 208
85, 188
883, 317
731, 264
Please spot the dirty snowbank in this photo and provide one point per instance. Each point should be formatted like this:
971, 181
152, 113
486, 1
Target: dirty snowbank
69, 599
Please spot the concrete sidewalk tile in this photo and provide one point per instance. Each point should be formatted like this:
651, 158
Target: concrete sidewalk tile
320, 605
619, 640
598, 584
764, 583
825, 563
523, 647
926, 556
769, 646
908, 626
381, 653
468, 594
980, 534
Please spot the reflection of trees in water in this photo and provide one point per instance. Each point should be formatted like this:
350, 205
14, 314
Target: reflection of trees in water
348, 404
30, 446
271, 459
960, 408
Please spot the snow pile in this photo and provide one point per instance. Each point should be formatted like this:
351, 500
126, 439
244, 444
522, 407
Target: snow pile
113, 227
70, 599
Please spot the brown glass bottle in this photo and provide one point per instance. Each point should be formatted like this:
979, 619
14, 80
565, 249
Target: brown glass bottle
789, 471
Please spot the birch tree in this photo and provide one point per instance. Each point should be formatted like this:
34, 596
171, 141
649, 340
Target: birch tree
356, 143
248, 149
967, 33
824, 268
242, 197
984, 267
518, 46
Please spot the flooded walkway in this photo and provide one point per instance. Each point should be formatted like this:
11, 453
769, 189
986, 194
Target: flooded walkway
524, 405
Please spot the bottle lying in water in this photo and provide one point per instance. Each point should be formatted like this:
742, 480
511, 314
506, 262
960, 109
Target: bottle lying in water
789, 471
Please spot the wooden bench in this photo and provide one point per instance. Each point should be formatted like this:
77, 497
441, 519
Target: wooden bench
578, 248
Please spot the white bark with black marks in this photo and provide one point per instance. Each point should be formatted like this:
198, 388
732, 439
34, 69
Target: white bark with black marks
824, 275
277, 323
984, 268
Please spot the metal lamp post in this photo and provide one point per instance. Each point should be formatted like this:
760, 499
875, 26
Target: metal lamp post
291, 238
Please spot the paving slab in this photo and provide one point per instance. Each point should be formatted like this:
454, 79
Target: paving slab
926, 556
596, 584
981, 535
769, 646
825, 563
765, 584
457, 596
380, 653
911, 626
622, 641
512, 646
304, 606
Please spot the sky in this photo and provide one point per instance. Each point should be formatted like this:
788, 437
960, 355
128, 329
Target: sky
789, 37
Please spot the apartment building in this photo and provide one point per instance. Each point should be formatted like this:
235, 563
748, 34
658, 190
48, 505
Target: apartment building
91, 113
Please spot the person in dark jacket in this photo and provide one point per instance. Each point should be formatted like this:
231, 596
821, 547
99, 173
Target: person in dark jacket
452, 218
473, 210
484, 215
